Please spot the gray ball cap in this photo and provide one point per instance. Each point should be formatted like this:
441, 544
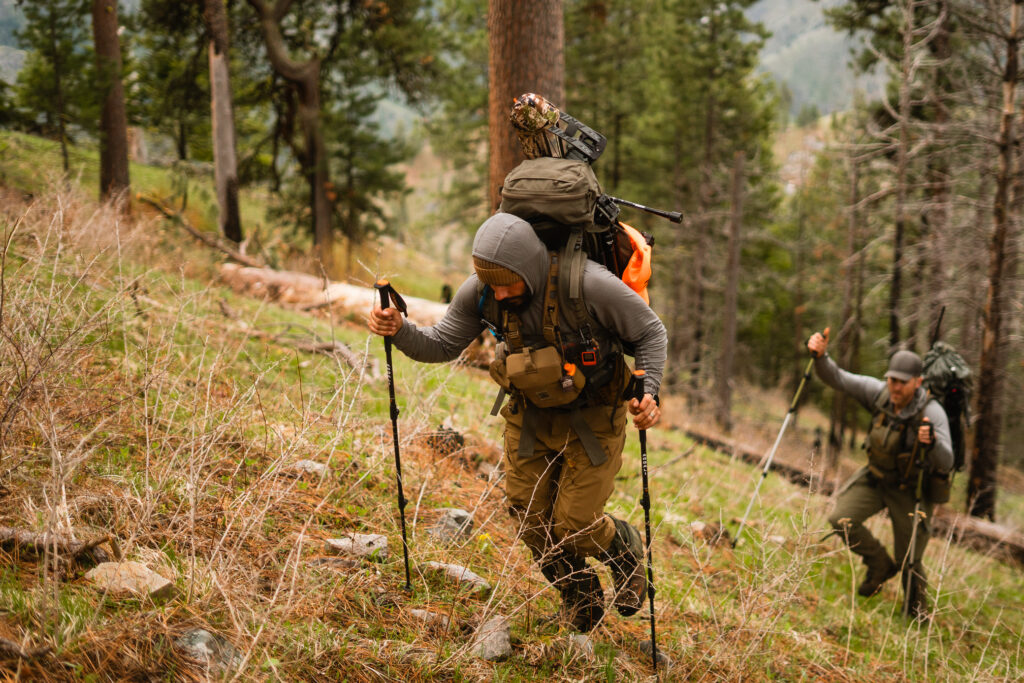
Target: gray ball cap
904, 365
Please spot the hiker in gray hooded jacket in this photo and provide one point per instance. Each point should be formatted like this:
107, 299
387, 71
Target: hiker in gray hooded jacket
560, 461
908, 440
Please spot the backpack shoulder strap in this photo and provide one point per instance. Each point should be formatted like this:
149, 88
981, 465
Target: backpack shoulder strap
573, 262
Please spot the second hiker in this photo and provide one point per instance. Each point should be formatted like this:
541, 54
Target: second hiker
909, 432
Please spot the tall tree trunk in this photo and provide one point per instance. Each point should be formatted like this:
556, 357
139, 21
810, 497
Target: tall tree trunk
848, 329
305, 78
732, 283
527, 54
701, 249
58, 91
225, 163
677, 304
114, 181
981, 485
899, 229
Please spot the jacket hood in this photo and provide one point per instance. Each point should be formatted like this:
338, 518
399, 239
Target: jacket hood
512, 243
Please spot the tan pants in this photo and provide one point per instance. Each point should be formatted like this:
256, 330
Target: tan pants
556, 495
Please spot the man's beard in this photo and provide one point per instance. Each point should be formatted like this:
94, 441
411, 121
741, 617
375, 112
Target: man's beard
515, 304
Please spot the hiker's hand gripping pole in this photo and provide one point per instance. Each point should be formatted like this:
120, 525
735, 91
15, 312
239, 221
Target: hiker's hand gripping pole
636, 390
388, 295
910, 560
816, 345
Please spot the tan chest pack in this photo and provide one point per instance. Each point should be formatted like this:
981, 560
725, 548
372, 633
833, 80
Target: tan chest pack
541, 374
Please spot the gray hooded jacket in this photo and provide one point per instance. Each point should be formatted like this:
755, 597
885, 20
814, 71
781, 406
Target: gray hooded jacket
511, 242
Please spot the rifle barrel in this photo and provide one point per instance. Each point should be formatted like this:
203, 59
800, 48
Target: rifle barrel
674, 216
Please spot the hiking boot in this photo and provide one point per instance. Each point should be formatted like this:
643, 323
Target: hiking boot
625, 557
880, 570
915, 598
580, 588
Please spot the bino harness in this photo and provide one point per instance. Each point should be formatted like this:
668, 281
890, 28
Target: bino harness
894, 457
566, 373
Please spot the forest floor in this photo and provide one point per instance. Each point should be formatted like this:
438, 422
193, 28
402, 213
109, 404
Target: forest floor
145, 401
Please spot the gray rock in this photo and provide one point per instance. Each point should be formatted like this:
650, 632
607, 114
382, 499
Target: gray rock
663, 659
310, 467
431, 619
130, 579
493, 640
454, 526
581, 645
215, 651
369, 546
458, 573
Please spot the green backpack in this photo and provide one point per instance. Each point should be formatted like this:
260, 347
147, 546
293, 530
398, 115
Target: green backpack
948, 377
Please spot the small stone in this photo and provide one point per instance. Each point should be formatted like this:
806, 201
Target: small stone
124, 579
334, 562
713, 534
215, 651
777, 540
663, 659
581, 644
489, 471
370, 546
454, 526
460, 574
493, 640
310, 467
431, 619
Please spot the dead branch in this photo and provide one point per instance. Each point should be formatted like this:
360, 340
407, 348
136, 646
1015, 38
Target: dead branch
39, 543
11, 650
206, 238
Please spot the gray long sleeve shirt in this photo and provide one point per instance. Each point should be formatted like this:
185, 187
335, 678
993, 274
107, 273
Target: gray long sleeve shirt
866, 391
511, 242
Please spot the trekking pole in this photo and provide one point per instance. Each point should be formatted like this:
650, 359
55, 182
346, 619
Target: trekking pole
910, 560
636, 390
386, 292
778, 440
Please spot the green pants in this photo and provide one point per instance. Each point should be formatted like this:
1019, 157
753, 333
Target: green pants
556, 494
863, 496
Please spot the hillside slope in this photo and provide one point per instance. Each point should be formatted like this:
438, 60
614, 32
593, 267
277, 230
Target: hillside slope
146, 402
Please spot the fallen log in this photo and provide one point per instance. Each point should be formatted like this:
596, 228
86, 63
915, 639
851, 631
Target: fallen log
995, 540
308, 292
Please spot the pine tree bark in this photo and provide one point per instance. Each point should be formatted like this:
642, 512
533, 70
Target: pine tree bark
850, 326
732, 283
981, 484
527, 54
114, 180
225, 163
305, 78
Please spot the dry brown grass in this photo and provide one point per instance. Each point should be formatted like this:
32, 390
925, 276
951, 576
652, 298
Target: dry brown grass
129, 407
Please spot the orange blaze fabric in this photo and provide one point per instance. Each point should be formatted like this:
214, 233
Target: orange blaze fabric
638, 271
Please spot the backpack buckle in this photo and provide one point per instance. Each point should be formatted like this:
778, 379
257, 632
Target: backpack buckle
588, 357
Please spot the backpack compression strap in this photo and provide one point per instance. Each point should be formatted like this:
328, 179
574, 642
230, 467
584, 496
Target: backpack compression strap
551, 334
